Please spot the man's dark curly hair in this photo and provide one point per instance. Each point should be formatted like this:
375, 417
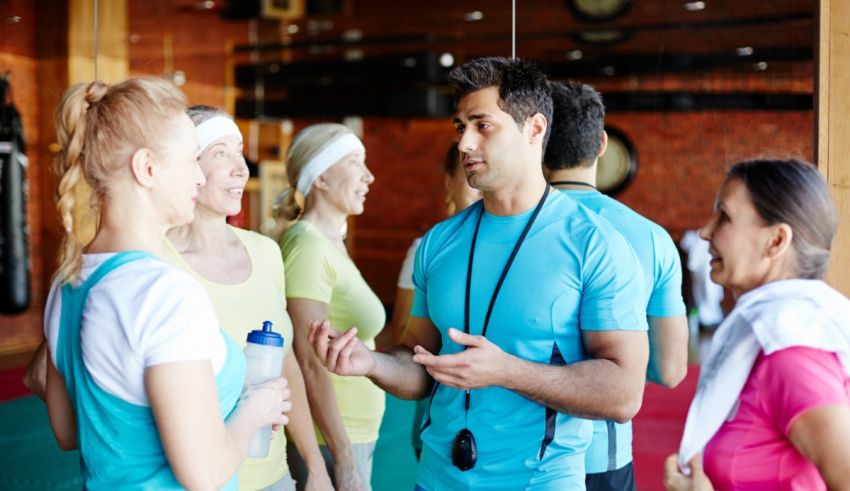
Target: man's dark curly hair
579, 119
523, 88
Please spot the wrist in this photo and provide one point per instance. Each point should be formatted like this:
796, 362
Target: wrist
344, 461
373, 370
340, 449
512, 371
316, 466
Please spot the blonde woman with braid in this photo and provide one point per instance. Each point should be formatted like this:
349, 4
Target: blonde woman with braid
139, 376
326, 163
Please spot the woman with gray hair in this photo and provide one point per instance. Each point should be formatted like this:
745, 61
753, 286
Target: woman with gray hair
772, 409
243, 274
326, 166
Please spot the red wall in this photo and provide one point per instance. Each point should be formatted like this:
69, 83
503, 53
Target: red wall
18, 56
682, 158
681, 155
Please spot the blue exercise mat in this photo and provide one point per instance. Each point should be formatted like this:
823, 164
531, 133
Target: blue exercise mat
31, 457
33, 461
394, 464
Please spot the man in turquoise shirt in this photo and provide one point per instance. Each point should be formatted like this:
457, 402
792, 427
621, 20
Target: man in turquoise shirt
577, 141
523, 323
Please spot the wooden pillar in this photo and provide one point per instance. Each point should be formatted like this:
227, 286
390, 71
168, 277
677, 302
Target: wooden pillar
113, 65
833, 127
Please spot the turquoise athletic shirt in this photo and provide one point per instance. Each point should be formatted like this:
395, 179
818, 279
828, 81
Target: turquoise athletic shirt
118, 440
574, 272
612, 442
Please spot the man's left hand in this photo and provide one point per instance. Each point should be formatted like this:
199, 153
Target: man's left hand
481, 364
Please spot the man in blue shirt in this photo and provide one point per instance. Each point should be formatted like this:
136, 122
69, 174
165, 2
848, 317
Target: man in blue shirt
523, 321
577, 141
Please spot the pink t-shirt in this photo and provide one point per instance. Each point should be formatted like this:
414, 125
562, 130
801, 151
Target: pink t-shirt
752, 451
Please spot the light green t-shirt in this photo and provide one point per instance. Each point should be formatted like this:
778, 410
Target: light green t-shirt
316, 270
241, 308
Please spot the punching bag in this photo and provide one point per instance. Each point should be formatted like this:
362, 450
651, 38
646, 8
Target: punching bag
14, 234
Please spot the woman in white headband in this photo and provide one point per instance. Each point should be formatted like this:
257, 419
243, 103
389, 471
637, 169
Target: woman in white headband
772, 409
243, 273
326, 165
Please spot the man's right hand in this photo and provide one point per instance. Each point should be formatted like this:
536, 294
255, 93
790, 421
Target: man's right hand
340, 353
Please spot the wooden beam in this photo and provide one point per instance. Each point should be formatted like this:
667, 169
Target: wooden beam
833, 127
113, 65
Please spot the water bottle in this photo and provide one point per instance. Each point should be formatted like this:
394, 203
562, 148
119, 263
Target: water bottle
264, 353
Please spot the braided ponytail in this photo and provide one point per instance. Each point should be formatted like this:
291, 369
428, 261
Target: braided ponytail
71, 133
99, 127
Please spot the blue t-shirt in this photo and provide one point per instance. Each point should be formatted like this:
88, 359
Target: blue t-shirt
574, 272
612, 442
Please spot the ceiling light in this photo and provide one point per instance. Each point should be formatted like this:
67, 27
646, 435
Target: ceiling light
473, 16
352, 35
694, 6
206, 5
575, 55
353, 55
292, 28
608, 70
447, 60
760, 66
744, 51
178, 78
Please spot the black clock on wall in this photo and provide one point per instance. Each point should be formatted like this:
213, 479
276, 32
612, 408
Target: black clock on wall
618, 165
598, 10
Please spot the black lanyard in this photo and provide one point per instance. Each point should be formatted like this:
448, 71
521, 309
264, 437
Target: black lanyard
501, 278
504, 271
464, 448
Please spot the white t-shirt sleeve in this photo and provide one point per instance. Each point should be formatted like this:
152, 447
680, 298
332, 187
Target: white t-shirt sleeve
142, 314
176, 322
405, 276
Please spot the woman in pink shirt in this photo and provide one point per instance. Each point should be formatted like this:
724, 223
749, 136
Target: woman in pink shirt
772, 410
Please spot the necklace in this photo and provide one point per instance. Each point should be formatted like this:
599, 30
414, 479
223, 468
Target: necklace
573, 183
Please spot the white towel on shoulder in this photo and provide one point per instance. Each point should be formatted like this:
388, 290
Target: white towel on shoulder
778, 315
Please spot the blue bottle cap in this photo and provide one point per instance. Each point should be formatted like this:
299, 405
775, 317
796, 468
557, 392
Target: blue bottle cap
265, 336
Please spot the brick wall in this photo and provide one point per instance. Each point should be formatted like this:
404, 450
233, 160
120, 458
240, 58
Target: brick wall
18, 57
681, 155
682, 158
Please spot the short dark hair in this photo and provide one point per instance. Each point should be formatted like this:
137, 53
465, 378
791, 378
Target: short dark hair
793, 192
523, 88
577, 126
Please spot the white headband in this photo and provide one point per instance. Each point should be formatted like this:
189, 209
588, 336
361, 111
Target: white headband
215, 128
336, 150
